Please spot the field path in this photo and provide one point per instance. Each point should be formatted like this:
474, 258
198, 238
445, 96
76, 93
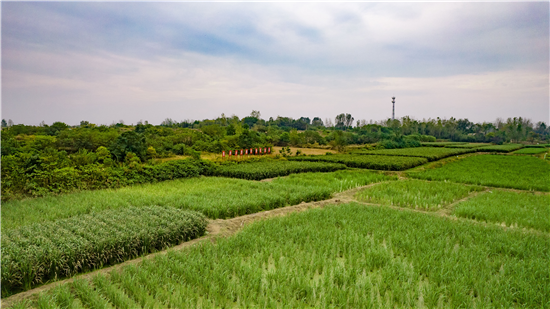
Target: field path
227, 227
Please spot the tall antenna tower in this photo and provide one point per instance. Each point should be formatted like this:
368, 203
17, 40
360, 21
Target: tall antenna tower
393, 110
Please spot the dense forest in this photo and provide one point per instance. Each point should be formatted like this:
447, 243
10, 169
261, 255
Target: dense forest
59, 158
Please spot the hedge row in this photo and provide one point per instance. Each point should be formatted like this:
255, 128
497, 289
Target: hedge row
36, 253
430, 153
500, 148
375, 162
270, 169
442, 144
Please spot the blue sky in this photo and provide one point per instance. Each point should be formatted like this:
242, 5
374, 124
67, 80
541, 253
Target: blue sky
132, 61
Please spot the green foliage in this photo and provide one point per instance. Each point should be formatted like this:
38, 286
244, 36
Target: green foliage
36, 253
129, 141
500, 148
387, 163
430, 153
416, 194
270, 169
512, 208
519, 172
216, 197
442, 144
468, 145
530, 151
346, 256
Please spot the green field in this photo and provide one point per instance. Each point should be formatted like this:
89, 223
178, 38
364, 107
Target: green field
270, 169
511, 208
370, 162
470, 145
36, 253
342, 256
417, 194
441, 144
500, 148
518, 172
430, 153
215, 197
530, 151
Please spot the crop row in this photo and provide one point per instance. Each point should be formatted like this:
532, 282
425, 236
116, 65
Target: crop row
470, 145
346, 256
500, 148
216, 197
518, 172
270, 169
430, 153
531, 151
36, 253
416, 194
377, 162
442, 144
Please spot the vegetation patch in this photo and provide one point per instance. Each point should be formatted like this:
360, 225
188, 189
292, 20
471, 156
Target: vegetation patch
518, 172
500, 148
530, 151
470, 145
430, 153
216, 197
371, 162
269, 169
442, 144
343, 256
416, 194
512, 208
39, 252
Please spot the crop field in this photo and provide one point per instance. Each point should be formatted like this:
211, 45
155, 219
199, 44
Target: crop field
270, 169
349, 255
215, 197
441, 144
500, 148
469, 145
518, 172
417, 194
510, 208
35, 253
530, 151
430, 153
369, 162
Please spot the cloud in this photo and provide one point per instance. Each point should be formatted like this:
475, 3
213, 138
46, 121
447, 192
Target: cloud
108, 61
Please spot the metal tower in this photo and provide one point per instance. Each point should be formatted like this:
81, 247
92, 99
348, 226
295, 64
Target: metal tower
393, 110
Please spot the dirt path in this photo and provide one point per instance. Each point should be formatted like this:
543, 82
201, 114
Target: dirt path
225, 228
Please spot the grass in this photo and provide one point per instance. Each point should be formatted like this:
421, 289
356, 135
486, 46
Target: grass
518, 172
416, 194
370, 162
216, 197
36, 253
441, 144
349, 256
269, 169
500, 148
430, 153
511, 208
470, 145
530, 151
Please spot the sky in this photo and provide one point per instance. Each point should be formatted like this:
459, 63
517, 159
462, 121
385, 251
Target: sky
104, 62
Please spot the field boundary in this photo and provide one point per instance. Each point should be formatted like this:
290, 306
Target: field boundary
228, 227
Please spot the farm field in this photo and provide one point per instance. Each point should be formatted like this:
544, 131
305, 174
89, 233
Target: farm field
430, 153
417, 194
500, 148
35, 253
340, 256
374, 162
517, 172
216, 197
510, 208
469, 145
530, 151
442, 144
269, 169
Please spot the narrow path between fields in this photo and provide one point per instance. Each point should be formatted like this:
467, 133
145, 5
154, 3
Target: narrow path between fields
227, 227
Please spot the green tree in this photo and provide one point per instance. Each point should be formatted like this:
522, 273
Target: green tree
129, 141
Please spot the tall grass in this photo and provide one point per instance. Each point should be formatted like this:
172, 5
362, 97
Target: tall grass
500, 148
270, 169
530, 151
370, 162
416, 193
36, 253
512, 208
519, 172
215, 197
349, 256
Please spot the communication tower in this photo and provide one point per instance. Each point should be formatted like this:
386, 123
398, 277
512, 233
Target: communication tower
393, 110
